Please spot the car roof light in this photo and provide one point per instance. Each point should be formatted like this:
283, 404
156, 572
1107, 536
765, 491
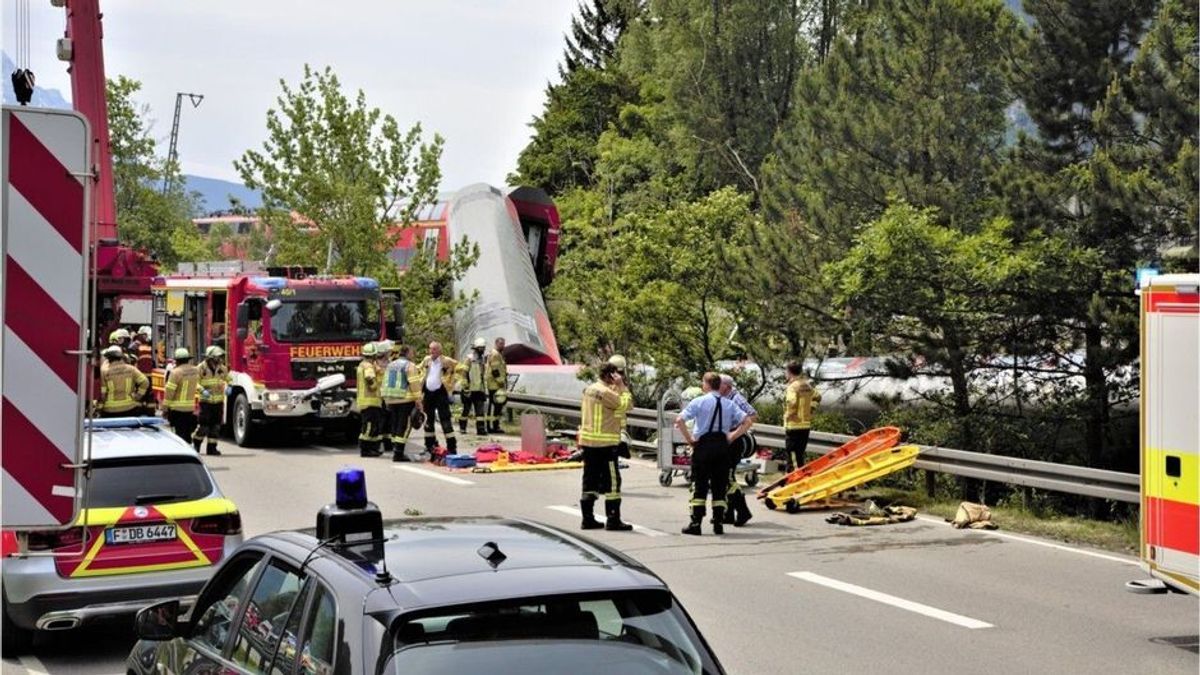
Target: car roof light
123, 422
351, 488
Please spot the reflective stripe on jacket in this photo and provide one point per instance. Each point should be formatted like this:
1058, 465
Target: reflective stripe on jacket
367, 383
145, 358
798, 404
212, 382
122, 387
496, 372
182, 386
599, 424
401, 382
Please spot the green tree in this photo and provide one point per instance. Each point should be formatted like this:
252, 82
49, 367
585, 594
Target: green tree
1079, 181
147, 218
349, 171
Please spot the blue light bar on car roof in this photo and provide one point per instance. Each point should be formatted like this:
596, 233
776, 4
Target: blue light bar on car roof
366, 282
123, 422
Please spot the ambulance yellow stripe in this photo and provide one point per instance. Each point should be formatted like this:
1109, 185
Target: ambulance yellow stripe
1183, 488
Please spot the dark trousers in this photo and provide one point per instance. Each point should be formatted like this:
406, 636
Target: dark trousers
371, 432
183, 422
795, 441
398, 417
710, 472
473, 405
601, 474
495, 409
208, 429
437, 404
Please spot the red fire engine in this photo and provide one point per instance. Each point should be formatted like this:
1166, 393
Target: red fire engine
283, 329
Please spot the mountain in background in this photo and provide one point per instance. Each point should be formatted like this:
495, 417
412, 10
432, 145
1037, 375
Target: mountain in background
42, 98
214, 193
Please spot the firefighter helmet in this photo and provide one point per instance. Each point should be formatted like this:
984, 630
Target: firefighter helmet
118, 335
182, 353
113, 352
144, 331
370, 349
479, 343
214, 352
618, 361
384, 347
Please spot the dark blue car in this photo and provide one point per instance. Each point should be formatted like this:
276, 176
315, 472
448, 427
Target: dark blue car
429, 596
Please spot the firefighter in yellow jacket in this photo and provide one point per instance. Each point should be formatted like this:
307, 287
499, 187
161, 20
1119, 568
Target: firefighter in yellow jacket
495, 377
368, 381
599, 438
122, 385
179, 395
474, 392
402, 397
437, 383
213, 378
799, 400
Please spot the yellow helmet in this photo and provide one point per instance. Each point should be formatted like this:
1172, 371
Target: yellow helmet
182, 353
618, 361
214, 352
369, 349
118, 335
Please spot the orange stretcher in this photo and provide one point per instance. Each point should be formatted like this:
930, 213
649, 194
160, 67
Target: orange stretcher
869, 443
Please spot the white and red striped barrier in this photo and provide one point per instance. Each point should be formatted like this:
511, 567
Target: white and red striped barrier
43, 306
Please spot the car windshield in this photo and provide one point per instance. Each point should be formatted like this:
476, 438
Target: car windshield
326, 321
630, 632
146, 480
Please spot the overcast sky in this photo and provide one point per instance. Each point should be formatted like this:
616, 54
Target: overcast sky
474, 71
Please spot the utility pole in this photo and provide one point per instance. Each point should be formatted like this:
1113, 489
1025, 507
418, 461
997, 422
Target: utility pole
171, 152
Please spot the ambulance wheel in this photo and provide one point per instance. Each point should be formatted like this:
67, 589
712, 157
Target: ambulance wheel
751, 479
244, 433
665, 478
792, 506
16, 640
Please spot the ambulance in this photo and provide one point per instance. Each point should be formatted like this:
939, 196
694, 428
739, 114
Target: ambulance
1170, 430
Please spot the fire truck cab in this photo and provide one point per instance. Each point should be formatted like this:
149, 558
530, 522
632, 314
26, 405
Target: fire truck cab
282, 329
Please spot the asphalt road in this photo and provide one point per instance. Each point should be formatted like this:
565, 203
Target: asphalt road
787, 593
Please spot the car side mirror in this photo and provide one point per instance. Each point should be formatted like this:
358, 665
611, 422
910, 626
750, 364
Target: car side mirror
158, 622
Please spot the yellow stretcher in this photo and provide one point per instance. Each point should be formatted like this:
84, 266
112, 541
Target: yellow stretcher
841, 477
507, 468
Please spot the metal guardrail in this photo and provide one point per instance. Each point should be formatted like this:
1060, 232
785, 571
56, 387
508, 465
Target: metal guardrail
1066, 478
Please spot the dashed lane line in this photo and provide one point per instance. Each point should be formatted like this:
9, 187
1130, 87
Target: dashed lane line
33, 665
454, 480
877, 596
1047, 544
641, 529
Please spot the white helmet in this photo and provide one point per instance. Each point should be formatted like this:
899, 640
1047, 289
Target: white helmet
479, 343
144, 331
618, 361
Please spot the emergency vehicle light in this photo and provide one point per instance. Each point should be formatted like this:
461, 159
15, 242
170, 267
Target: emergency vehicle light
270, 283
366, 282
351, 488
352, 519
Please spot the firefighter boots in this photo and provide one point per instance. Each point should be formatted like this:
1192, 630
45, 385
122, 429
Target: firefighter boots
718, 521
612, 511
693, 527
589, 520
741, 509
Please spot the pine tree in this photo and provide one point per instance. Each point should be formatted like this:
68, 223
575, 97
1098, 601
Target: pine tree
595, 32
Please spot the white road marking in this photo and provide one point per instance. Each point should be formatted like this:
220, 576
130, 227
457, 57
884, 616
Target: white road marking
433, 474
33, 665
571, 511
326, 448
932, 612
1038, 542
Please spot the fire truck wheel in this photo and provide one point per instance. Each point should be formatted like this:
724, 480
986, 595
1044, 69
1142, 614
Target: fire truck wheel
244, 433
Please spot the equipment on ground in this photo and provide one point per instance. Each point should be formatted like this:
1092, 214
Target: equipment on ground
842, 476
873, 441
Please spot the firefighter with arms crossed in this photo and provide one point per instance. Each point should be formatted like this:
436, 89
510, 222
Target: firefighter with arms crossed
599, 438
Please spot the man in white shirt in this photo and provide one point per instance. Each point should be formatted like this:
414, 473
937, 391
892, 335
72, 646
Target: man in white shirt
436, 386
